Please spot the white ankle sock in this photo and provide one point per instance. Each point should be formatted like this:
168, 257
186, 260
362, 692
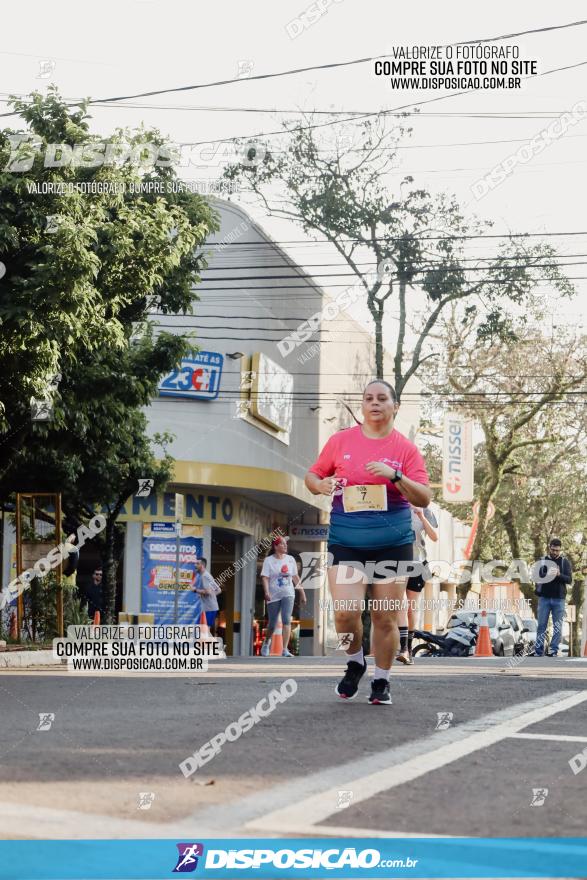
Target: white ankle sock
381, 673
359, 657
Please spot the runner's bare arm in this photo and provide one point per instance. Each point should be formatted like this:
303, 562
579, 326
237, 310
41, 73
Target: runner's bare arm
429, 529
416, 493
318, 486
298, 586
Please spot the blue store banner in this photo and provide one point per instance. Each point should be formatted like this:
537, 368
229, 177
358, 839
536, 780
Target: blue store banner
197, 378
306, 857
158, 572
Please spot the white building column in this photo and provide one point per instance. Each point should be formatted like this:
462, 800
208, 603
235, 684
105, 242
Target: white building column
244, 597
131, 576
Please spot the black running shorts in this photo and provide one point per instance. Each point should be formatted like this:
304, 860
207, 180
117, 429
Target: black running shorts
417, 582
378, 563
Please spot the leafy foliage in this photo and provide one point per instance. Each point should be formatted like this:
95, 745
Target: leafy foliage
395, 242
77, 301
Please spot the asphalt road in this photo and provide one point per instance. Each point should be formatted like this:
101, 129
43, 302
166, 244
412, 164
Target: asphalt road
452, 756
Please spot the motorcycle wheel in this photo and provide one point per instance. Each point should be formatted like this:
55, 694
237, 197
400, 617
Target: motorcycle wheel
424, 650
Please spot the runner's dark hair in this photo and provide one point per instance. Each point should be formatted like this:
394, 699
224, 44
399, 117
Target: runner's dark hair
382, 382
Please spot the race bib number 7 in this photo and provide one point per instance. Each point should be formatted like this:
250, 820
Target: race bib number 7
357, 498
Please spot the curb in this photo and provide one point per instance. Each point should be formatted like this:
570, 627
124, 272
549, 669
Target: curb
12, 659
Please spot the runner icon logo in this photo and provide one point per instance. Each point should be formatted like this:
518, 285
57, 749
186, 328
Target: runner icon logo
444, 719
146, 798
539, 795
187, 860
41, 410
145, 486
344, 641
344, 799
244, 68
314, 565
46, 719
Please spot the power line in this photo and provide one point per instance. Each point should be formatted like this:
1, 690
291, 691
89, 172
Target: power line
330, 66
260, 135
505, 115
359, 332
275, 289
461, 367
401, 238
425, 268
358, 263
357, 394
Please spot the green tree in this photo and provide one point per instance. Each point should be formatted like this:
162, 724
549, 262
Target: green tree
77, 300
392, 244
98, 450
81, 267
518, 392
546, 496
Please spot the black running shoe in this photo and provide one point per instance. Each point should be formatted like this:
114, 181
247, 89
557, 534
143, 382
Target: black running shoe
380, 695
349, 685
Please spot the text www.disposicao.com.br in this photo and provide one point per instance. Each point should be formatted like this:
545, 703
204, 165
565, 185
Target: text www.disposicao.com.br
136, 664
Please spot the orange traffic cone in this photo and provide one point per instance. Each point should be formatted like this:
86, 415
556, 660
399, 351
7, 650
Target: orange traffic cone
204, 628
96, 618
483, 647
277, 639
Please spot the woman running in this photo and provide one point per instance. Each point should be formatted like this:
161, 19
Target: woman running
280, 581
424, 524
374, 473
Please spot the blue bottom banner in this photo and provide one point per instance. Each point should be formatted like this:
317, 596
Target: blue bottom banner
305, 857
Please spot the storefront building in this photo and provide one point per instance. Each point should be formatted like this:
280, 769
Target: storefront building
249, 414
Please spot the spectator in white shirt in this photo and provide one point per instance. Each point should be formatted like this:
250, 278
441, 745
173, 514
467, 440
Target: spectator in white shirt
280, 581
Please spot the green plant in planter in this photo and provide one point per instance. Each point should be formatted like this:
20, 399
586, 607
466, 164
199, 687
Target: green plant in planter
41, 608
75, 610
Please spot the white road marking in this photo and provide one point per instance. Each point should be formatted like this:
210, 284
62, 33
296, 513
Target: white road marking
47, 823
370, 776
250, 815
557, 737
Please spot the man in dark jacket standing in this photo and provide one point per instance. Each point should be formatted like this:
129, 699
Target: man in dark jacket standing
552, 592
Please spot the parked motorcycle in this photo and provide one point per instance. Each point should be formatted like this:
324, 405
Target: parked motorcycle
459, 641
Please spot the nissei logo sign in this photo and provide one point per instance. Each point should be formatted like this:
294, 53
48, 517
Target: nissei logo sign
457, 459
309, 533
198, 377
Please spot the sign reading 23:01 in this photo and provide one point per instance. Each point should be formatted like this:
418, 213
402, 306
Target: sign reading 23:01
198, 377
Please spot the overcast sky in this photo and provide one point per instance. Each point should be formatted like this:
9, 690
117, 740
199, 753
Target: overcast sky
121, 48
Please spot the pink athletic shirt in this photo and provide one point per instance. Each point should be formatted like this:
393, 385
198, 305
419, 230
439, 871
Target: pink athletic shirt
344, 457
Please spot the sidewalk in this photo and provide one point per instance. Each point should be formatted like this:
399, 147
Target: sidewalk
317, 667
16, 659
